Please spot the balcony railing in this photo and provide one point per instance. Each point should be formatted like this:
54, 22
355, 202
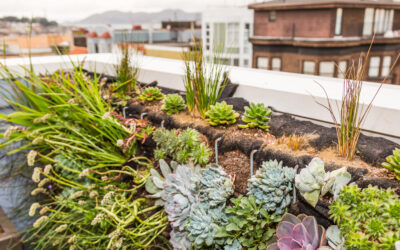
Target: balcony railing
295, 94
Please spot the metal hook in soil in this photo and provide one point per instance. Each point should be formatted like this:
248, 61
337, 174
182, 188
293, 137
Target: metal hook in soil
294, 186
124, 111
142, 115
252, 161
216, 149
162, 123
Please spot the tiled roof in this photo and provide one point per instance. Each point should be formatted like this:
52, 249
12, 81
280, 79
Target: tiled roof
92, 35
78, 50
106, 35
297, 4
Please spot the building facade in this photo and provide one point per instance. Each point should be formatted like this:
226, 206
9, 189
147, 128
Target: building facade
230, 29
326, 37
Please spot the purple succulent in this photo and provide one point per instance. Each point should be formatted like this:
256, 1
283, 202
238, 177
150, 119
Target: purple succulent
299, 233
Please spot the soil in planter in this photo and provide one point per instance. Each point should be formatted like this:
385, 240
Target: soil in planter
1, 230
237, 165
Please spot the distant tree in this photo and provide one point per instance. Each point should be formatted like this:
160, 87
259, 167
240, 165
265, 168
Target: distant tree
42, 20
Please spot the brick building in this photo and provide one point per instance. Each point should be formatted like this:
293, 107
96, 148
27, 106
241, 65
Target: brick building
323, 37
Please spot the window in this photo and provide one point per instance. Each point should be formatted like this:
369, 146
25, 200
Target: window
374, 64
219, 34
368, 21
327, 69
207, 25
207, 47
387, 61
246, 62
276, 64
232, 38
309, 67
342, 69
338, 26
236, 62
272, 16
262, 62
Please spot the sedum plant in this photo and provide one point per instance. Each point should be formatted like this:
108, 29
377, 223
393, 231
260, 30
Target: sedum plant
368, 218
301, 232
221, 114
151, 94
313, 181
155, 183
393, 163
248, 223
182, 146
173, 104
256, 116
271, 186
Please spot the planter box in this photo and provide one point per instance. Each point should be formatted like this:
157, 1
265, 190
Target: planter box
9, 236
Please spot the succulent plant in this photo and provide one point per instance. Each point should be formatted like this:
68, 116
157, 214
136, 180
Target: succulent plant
221, 114
301, 232
178, 195
202, 225
256, 116
150, 94
173, 104
334, 238
271, 186
313, 181
368, 218
248, 223
182, 146
393, 163
214, 186
155, 183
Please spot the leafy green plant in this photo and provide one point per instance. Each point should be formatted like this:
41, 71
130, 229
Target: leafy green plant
221, 114
151, 94
313, 181
155, 183
184, 146
204, 80
368, 218
256, 116
271, 186
301, 232
173, 104
248, 223
393, 163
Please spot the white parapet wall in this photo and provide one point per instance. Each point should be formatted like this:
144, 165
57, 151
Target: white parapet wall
286, 92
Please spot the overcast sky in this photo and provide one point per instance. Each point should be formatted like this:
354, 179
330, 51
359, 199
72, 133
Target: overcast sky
72, 10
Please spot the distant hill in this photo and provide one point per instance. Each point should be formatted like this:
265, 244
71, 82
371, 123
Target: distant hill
120, 17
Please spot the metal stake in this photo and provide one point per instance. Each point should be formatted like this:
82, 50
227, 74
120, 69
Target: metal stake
294, 186
124, 112
216, 149
143, 115
162, 123
252, 161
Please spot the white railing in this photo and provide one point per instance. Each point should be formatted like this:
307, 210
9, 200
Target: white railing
286, 92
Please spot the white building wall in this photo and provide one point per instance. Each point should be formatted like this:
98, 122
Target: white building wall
241, 16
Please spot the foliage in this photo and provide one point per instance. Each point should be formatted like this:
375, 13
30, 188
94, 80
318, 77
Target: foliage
313, 181
294, 142
204, 80
150, 94
126, 72
173, 104
182, 146
155, 183
351, 112
271, 186
221, 114
368, 218
248, 223
334, 238
256, 116
393, 163
301, 232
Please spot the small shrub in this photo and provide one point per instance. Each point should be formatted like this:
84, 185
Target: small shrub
221, 114
182, 147
173, 104
151, 94
368, 218
294, 142
256, 116
249, 223
393, 163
